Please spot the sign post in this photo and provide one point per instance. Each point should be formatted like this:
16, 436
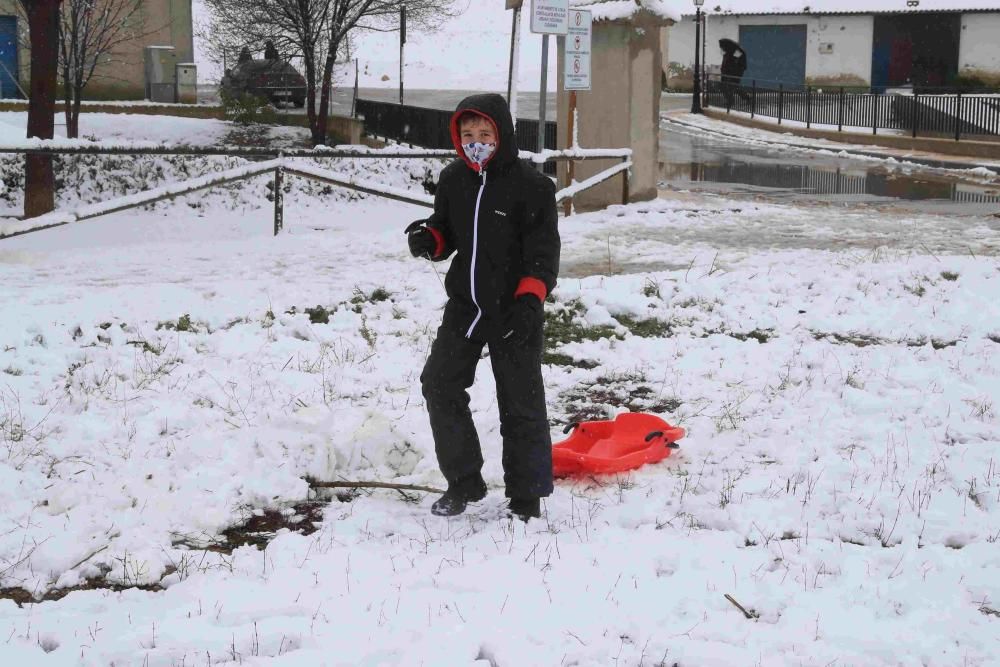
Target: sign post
576, 76
515, 58
402, 45
548, 17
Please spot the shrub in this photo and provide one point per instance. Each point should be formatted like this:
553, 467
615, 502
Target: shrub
246, 108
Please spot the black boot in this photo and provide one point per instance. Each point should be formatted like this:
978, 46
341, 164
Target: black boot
454, 500
525, 508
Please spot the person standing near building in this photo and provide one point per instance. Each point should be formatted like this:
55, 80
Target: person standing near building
734, 64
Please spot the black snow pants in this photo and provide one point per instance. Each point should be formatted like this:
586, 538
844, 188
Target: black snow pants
524, 426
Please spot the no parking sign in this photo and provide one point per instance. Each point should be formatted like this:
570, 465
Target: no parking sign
577, 70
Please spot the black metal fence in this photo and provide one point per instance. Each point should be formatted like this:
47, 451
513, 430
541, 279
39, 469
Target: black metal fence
954, 115
428, 128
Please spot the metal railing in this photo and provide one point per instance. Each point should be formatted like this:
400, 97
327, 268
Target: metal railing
955, 115
279, 163
429, 128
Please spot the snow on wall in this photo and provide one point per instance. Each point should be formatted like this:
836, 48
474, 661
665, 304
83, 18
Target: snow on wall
837, 48
617, 10
978, 49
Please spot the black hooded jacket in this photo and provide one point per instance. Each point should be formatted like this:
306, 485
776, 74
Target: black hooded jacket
501, 223
734, 65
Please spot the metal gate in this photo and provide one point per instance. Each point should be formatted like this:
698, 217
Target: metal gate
775, 54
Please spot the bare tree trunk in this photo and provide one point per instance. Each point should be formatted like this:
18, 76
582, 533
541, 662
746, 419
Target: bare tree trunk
68, 110
311, 98
39, 177
319, 134
73, 119
68, 102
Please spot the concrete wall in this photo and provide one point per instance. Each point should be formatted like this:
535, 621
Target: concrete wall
838, 48
678, 53
620, 111
979, 51
121, 76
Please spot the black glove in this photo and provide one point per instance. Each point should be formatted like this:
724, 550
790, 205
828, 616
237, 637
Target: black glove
525, 320
420, 239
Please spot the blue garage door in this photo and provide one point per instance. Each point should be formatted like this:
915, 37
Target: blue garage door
8, 57
775, 54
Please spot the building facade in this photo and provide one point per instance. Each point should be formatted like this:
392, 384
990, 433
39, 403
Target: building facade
882, 44
121, 75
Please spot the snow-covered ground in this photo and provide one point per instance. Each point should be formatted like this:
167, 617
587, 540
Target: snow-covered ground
836, 370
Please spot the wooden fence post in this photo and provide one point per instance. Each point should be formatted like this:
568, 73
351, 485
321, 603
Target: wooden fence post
571, 165
625, 188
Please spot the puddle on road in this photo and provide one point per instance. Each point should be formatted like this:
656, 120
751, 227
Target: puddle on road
707, 164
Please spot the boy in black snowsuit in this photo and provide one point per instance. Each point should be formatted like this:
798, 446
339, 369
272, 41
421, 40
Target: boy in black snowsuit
498, 215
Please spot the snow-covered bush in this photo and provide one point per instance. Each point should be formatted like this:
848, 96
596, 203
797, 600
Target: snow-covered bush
88, 179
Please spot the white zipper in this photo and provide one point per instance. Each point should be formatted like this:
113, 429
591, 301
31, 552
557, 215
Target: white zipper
475, 248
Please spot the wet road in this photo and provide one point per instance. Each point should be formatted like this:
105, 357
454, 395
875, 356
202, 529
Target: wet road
696, 161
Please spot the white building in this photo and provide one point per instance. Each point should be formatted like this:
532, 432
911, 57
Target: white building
879, 43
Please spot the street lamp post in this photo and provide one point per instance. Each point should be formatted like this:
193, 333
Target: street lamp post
696, 100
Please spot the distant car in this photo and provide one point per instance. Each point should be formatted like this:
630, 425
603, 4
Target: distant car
273, 80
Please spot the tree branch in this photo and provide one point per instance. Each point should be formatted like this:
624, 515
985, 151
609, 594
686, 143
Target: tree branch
316, 484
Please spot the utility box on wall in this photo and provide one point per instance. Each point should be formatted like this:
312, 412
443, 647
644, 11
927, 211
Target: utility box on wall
187, 83
161, 74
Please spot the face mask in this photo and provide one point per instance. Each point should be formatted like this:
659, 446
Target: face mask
478, 153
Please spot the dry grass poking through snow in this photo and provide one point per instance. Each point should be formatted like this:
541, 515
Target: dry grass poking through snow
835, 498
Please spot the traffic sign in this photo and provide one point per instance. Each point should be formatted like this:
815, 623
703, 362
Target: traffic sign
549, 17
577, 57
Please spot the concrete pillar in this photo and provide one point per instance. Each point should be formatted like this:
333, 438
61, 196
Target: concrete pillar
622, 108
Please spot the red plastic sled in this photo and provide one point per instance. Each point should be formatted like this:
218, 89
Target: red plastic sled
633, 439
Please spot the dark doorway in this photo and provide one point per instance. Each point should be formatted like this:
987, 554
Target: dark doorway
917, 49
776, 54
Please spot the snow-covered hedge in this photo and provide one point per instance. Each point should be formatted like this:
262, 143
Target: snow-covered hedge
90, 179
